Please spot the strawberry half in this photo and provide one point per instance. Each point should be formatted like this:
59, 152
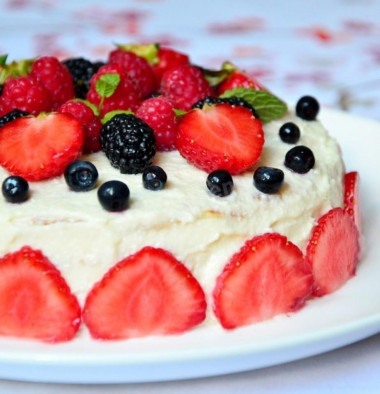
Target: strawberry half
35, 301
268, 276
148, 293
333, 251
352, 198
239, 80
221, 136
38, 148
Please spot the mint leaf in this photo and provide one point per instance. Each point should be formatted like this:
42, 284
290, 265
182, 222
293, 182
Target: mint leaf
109, 115
267, 106
89, 104
107, 84
3, 60
179, 112
215, 77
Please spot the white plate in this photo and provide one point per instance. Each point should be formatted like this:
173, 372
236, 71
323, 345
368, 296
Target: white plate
348, 315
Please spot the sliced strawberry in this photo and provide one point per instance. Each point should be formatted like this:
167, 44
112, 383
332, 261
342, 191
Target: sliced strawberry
333, 251
239, 80
352, 198
147, 293
42, 147
221, 137
268, 276
35, 300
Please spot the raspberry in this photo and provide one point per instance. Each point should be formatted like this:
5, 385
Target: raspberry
159, 114
90, 123
26, 94
137, 68
125, 97
167, 59
185, 85
55, 77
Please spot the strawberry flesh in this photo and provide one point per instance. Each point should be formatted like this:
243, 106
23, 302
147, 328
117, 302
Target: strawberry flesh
333, 251
352, 198
148, 293
40, 148
221, 137
35, 301
268, 276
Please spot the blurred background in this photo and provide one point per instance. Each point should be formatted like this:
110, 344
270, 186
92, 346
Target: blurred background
326, 48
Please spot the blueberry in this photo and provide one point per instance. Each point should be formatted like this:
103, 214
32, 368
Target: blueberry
15, 189
220, 183
268, 179
154, 178
307, 108
114, 196
300, 159
289, 133
81, 175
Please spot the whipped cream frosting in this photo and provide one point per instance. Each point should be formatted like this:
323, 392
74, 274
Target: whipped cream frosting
200, 229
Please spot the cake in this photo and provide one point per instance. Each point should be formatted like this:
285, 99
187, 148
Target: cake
190, 253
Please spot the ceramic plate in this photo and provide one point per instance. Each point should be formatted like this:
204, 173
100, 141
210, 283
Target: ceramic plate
348, 315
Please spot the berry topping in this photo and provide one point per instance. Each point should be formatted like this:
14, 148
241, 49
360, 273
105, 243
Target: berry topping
168, 59
81, 175
15, 189
300, 159
90, 123
220, 183
268, 276
221, 136
42, 147
333, 251
352, 198
148, 293
14, 114
129, 143
137, 68
114, 196
268, 179
154, 178
56, 79
290, 133
35, 300
184, 86
26, 94
81, 71
159, 113
307, 108
226, 100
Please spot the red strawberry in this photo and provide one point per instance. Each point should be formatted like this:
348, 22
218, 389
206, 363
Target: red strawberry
137, 69
26, 94
90, 123
125, 97
184, 86
268, 276
239, 80
56, 79
148, 293
168, 59
221, 137
40, 148
35, 300
333, 251
159, 113
352, 198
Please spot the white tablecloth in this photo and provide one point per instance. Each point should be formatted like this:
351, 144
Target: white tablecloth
327, 48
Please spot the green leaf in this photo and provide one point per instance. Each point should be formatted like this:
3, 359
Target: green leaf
107, 84
267, 106
179, 112
109, 115
215, 77
3, 60
148, 51
89, 104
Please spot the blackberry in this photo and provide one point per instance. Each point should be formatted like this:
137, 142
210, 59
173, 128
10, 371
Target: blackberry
13, 115
128, 142
230, 100
81, 70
